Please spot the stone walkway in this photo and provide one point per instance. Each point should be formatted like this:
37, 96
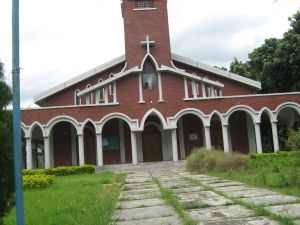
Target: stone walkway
205, 199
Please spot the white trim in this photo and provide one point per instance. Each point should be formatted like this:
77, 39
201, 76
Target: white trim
242, 96
110, 80
158, 114
151, 58
216, 71
84, 124
31, 128
161, 99
141, 97
59, 119
38, 98
219, 115
292, 105
247, 109
269, 113
144, 9
191, 76
75, 97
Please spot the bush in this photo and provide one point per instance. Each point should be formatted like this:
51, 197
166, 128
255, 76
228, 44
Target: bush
31, 172
293, 141
214, 160
71, 170
37, 181
279, 154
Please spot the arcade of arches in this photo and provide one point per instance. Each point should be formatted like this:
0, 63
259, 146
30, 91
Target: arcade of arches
67, 143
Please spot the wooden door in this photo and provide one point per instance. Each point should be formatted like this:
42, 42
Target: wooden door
89, 147
152, 144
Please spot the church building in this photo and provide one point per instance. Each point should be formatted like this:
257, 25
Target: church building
151, 105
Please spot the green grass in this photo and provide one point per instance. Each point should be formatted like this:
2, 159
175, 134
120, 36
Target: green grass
173, 202
78, 199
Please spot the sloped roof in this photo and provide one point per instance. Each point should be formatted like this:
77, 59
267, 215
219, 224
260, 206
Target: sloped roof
40, 97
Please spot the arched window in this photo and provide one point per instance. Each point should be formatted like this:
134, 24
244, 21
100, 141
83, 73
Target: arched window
89, 97
101, 92
149, 76
111, 89
76, 98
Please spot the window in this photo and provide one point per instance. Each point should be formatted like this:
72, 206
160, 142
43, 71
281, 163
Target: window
89, 97
76, 98
111, 89
144, 4
149, 76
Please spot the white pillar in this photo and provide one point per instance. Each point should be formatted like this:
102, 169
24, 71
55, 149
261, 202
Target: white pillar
275, 136
220, 93
181, 139
207, 137
122, 141
28, 154
186, 90
115, 91
225, 138
99, 150
212, 90
133, 148
105, 94
141, 89
194, 89
258, 138
174, 146
81, 149
47, 152
203, 90
160, 88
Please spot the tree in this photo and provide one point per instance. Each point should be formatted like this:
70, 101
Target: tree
277, 62
6, 152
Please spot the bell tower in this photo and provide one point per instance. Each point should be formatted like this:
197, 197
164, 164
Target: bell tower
146, 30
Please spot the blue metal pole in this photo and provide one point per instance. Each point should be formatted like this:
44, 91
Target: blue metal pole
16, 113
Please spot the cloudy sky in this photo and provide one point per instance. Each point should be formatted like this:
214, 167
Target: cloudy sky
64, 38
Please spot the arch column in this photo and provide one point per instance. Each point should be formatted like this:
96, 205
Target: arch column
47, 152
28, 153
174, 145
81, 149
99, 150
275, 136
207, 137
134, 148
225, 138
258, 138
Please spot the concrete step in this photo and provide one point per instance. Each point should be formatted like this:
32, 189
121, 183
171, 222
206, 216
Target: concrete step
147, 167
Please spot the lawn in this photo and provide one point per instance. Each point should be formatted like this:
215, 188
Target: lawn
80, 199
279, 172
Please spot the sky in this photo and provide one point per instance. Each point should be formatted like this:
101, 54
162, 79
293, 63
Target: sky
62, 39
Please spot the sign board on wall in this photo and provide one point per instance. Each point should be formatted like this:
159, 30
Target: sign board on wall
193, 136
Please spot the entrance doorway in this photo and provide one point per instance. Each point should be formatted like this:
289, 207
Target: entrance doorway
152, 144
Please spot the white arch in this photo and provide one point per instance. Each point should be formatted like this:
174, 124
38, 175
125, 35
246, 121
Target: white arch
151, 58
292, 105
219, 115
75, 97
24, 129
173, 120
247, 109
158, 114
33, 125
131, 123
59, 119
269, 112
84, 124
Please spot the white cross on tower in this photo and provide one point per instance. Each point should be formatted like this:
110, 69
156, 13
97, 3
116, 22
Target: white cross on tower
148, 43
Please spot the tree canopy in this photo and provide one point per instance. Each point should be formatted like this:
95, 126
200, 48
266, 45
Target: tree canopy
276, 63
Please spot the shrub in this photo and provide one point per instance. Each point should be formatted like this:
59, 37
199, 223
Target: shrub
31, 172
37, 181
279, 154
72, 170
293, 140
214, 160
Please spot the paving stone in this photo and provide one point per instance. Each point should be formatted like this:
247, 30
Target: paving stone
191, 189
174, 220
233, 188
250, 193
270, 200
289, 210
219, 213
124, 197
176, 186
205, 202
140, 191
142, 180
222, 184
243, 221
140, 203
201, 194
139, 186
296, 222
143, 213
